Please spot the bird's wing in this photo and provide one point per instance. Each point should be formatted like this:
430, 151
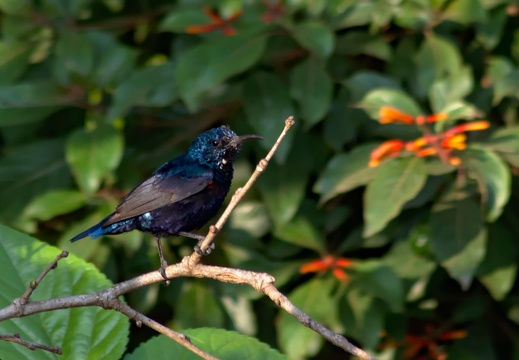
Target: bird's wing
160, 190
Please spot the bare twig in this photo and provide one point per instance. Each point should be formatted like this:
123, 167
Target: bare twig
34, 284
240, 193
15, 338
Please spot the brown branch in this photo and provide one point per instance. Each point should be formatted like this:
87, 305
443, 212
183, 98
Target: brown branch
34, 283
15, 338
152, 324
190, 266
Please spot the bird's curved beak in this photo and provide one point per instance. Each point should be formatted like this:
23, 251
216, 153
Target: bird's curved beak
240, 139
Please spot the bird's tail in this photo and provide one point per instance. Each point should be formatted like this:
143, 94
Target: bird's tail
94, 232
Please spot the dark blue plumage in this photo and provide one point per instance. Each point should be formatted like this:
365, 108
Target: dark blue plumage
181, 195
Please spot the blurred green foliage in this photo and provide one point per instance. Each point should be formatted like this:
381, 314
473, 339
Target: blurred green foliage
95, 94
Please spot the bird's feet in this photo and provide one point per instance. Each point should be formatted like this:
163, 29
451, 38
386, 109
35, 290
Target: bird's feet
163, 263
199, 251
162, 272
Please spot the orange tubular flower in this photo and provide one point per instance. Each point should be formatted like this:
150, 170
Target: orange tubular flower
455, 142
385, 150
417, 144
217, 23
427, 152
470, 126
390, 115
329, 262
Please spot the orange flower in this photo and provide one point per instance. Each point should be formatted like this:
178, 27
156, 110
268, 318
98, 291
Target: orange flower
470, 126
455, 142
329, 262
216, 23
389, 115
427, 152
422, 119
417, 144
385, 150
425, 345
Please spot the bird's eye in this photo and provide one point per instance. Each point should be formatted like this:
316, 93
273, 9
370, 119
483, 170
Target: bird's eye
216, 143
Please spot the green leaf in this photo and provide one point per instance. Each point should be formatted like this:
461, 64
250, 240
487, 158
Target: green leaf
209, 64
458, 237
315, 37
406, 263
368, 316
267, 105
363, 82
506, 142
30, 94
15, 7
223, 344
314, 298
345, 172
54, 203
375, 99
114, 62
437, 58
197, 306
93, 154
82, 333
76, 52
25, 115
150, 86
301, 232
311, 87
448, 90
28, 172
397, 182
283, 187
506, 86
460, 110
465, 12
179, 19
362, 43
498, 270
14, 59
493, 176
251, 217
379, 280
490, 32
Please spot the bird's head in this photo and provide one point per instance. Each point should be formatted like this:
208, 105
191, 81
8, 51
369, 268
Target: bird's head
218, 147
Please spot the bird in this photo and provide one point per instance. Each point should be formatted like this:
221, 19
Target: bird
180, 196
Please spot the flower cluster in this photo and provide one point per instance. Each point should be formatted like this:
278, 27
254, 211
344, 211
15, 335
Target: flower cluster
427, 345
329, 262
443, 144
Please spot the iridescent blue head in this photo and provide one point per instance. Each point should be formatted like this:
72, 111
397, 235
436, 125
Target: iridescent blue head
218, 147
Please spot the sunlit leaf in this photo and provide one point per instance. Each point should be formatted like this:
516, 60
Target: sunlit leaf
313, 298
82, 333
345, 172
493, 176
375, 99
397, 182
92, 154
220, 343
